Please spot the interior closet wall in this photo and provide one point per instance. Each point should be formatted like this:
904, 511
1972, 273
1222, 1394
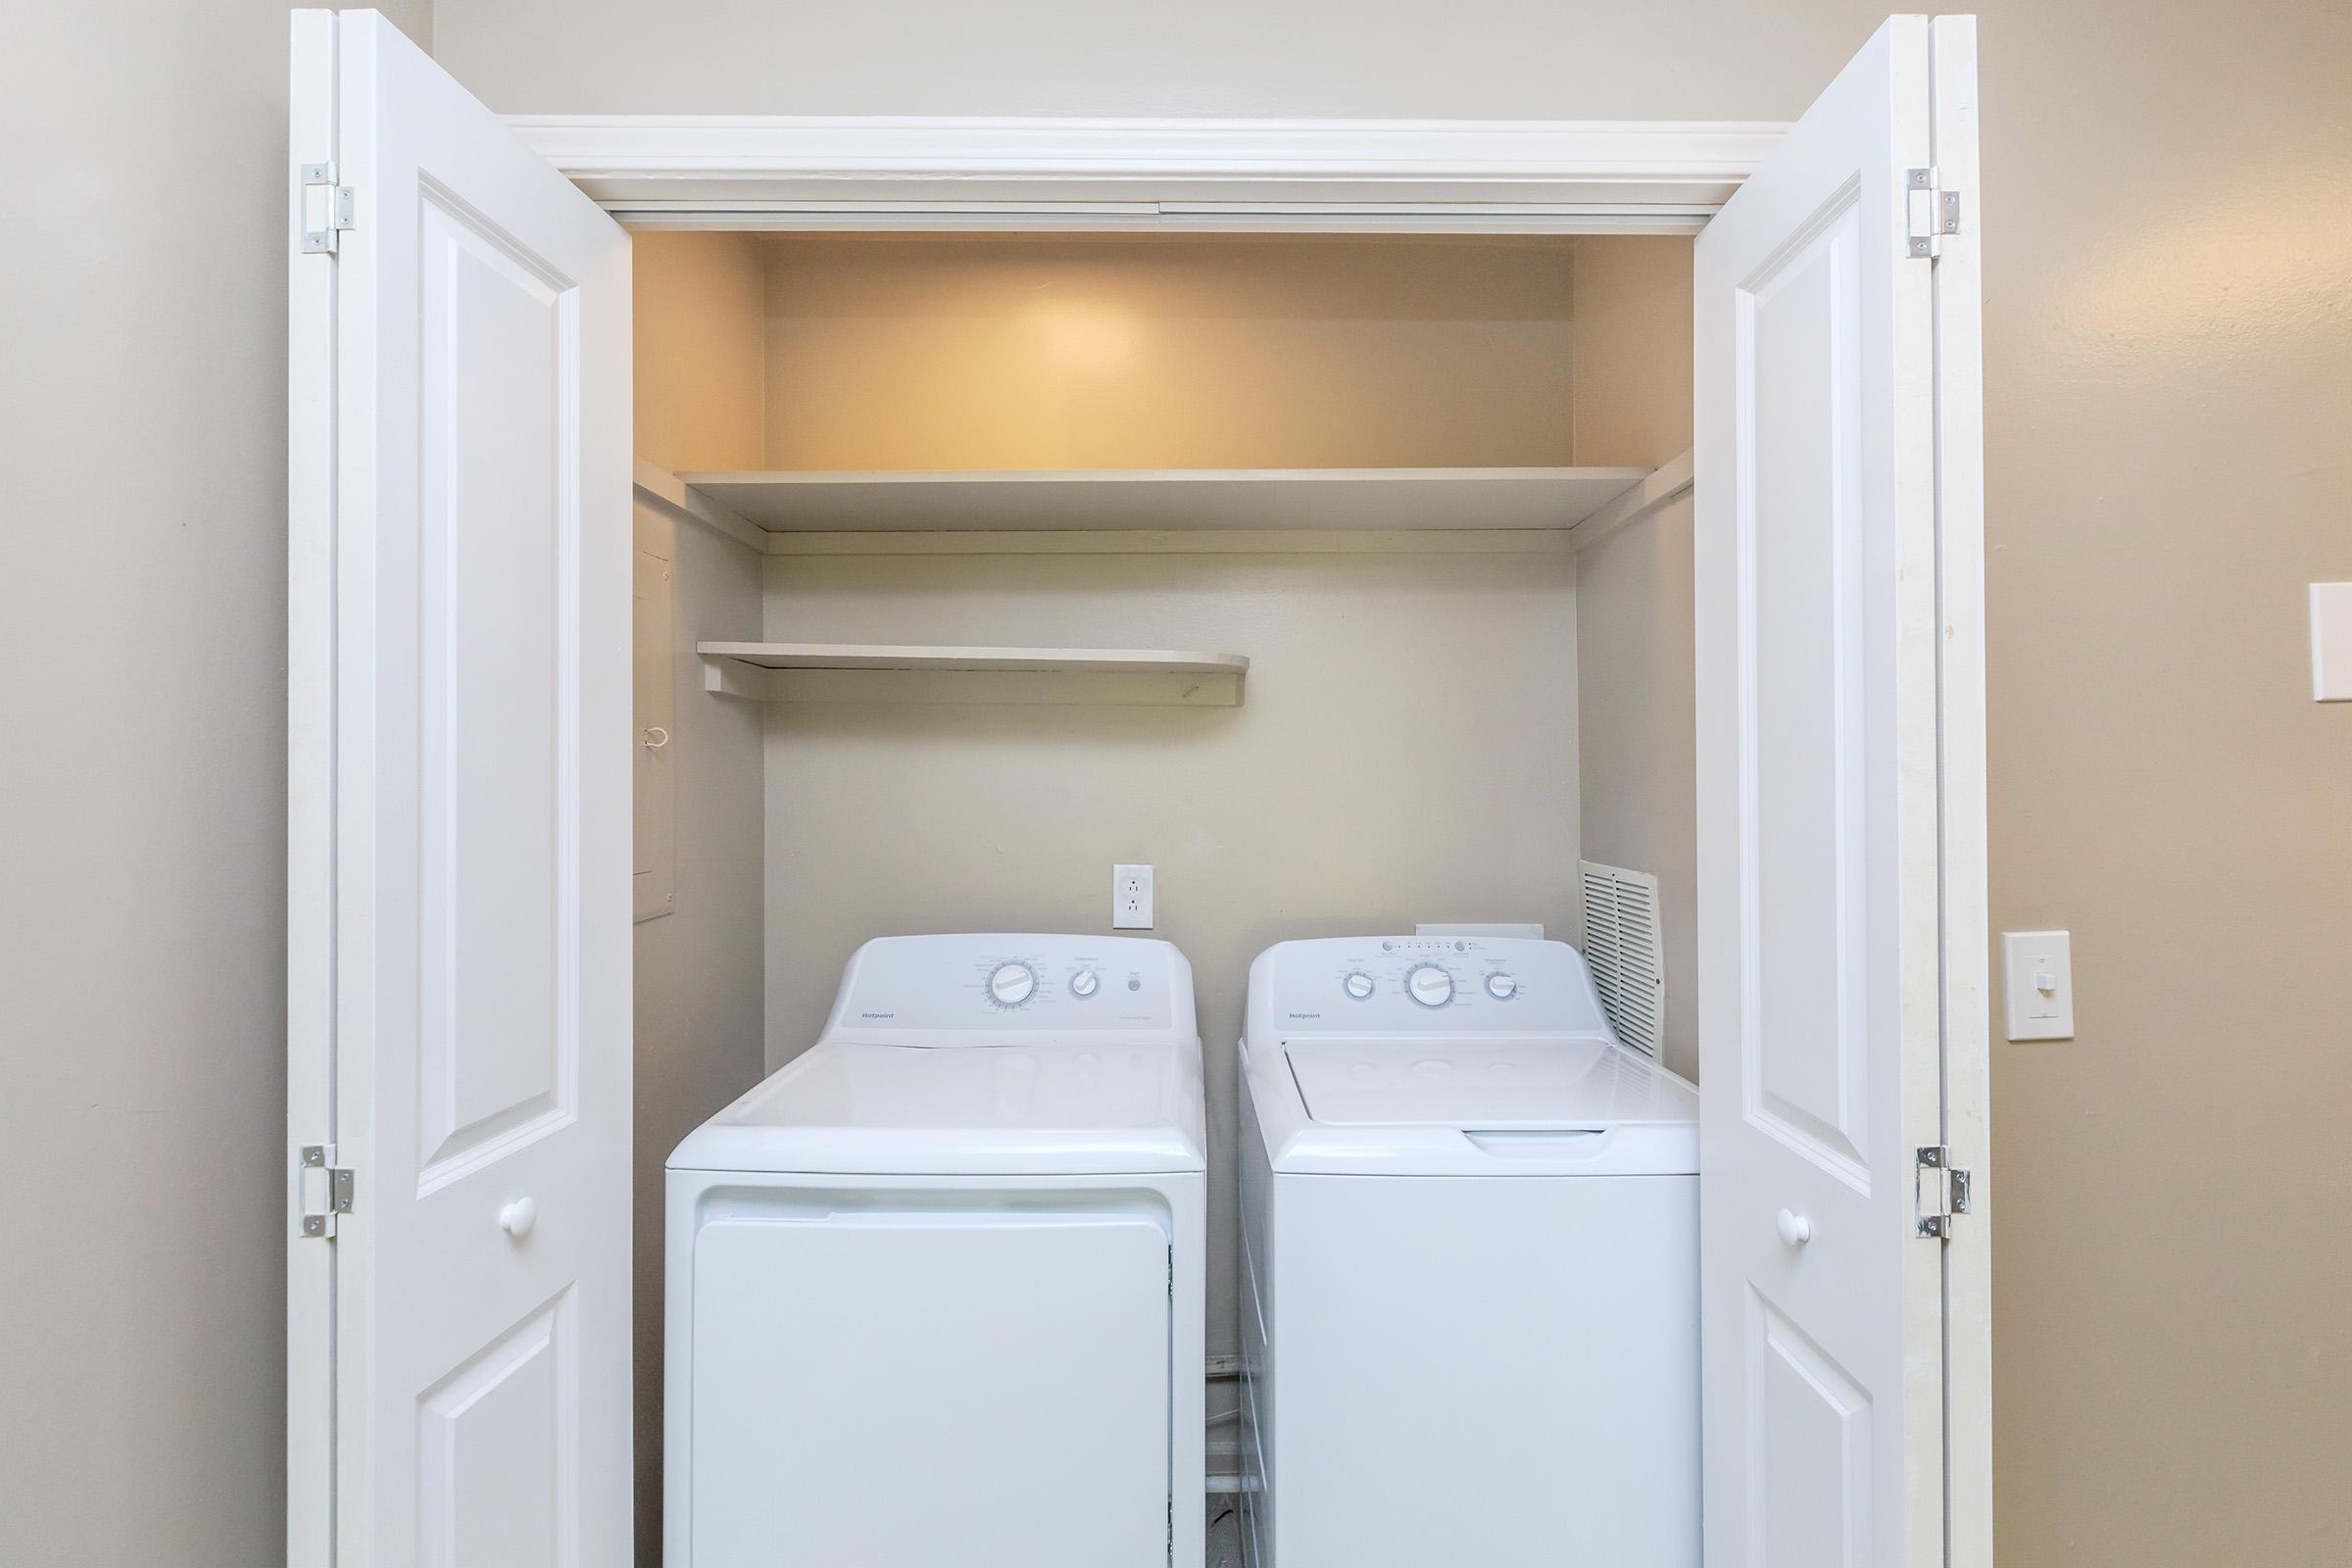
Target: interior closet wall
1406, 749
1637, 713
1101, 352
698, 970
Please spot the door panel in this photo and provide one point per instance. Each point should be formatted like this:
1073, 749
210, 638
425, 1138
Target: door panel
1821, 428
472, 726
1799, 525
497, 1451
498, 721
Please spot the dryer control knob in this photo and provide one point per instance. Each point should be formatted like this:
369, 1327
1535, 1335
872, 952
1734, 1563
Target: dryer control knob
1085, 983
1010, 984
1359, 985
1430, 985
1501, 987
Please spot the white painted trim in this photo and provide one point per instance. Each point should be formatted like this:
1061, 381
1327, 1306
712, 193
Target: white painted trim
1670, 480
684, 501
311, 633
1962, 748
714, 171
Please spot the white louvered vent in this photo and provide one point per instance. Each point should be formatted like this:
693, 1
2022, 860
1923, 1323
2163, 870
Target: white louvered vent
1622, 948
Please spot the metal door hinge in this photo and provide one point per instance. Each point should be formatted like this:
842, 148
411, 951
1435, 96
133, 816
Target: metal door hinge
1941, 1191
1930, 213
333, 1186
327, 208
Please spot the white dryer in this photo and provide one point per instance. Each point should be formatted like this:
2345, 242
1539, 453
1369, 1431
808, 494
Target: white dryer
935, 1288
1470, 1220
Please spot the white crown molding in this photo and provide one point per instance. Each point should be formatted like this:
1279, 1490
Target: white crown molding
853, 173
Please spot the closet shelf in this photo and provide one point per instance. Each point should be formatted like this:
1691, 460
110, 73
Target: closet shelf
871, 673
913, 501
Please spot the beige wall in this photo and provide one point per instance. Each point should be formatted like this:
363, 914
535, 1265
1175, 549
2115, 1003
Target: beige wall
1637, 738
699, 970
142, 784
701, 368
2168, 380
1268, 353
2167, 335
1638, 746
1632, 318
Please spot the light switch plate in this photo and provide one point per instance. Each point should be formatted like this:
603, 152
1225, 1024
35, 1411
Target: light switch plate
2039, 976
2331, 642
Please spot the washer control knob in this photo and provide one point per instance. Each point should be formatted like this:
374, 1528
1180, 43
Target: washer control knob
1359, 985
1501, 987
1010, 984
1430, 985
1085, 983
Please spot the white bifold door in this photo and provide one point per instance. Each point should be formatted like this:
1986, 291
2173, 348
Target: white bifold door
1840, 830
460, 858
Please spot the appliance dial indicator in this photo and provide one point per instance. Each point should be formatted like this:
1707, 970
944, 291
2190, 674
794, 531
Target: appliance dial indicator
1501, 987
1085, 983
1430, 985
1359, 985
1012, 984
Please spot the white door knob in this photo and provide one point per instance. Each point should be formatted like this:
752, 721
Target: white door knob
517, 1217
1796, 1230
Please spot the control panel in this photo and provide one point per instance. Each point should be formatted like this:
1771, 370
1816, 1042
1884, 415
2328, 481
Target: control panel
1425, 984
992, 985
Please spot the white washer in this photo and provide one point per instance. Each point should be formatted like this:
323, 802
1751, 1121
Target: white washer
935, 1288
1470, 1221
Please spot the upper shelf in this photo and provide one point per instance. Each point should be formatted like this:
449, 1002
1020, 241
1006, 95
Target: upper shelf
910, 501
871, 672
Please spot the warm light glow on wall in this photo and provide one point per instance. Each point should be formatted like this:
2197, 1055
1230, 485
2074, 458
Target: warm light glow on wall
1083, 334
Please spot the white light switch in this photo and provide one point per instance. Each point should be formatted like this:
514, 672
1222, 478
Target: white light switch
2331, 642
2039, 972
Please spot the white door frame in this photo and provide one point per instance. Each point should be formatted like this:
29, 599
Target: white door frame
1208, 175
1203, 175
1394, 177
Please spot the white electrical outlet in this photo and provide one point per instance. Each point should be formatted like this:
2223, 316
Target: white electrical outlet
1131, 897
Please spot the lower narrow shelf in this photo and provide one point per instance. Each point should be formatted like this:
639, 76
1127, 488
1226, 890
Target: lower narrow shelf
873, 672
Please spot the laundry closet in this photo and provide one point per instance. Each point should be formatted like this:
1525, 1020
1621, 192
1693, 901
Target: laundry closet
1356, 550
1411, 480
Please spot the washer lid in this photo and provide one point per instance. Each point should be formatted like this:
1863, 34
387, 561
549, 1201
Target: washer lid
1098, 1108
1482, 1106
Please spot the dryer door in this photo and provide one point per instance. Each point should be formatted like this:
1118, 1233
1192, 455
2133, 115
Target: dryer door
929, 1376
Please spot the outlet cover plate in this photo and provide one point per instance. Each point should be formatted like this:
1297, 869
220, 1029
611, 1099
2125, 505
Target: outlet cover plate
1131, 897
